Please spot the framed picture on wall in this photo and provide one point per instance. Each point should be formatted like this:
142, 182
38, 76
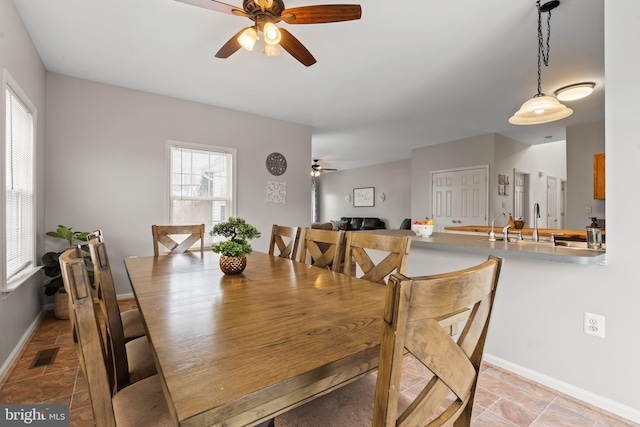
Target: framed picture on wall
364, 196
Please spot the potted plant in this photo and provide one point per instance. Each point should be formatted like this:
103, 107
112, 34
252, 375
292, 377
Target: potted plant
50, 261
234, 251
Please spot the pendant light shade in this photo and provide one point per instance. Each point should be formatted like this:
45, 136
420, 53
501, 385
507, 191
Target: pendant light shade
540, 109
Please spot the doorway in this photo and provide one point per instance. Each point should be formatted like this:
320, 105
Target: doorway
521, 195
459, 197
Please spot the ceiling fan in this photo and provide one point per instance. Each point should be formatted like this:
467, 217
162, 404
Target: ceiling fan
265, 14
316, 169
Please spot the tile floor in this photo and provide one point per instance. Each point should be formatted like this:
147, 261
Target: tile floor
502, 399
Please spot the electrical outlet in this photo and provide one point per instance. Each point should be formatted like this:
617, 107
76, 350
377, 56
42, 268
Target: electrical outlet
587, 209
594, 324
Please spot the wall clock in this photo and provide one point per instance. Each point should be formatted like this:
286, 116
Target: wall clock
276, 164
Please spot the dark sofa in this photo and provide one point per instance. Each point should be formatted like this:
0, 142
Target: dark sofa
352, 223
358, 223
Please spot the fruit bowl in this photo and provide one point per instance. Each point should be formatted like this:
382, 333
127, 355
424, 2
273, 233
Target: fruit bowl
422, 230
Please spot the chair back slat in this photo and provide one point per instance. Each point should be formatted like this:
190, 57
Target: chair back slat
285, 239
361, 246
89, 342
413, 309
106, 292
322, 248
164, 235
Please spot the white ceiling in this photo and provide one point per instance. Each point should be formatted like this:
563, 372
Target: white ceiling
418, 73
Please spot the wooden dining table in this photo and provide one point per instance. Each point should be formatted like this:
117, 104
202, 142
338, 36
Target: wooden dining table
239, 350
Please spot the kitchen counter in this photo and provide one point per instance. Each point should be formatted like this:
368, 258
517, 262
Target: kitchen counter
543, 250
566, 234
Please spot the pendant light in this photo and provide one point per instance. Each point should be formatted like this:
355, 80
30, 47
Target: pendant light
541, 108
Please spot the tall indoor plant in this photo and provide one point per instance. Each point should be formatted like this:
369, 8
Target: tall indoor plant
234, 251
50, 261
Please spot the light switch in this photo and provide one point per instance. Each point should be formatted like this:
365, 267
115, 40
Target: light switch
587, 209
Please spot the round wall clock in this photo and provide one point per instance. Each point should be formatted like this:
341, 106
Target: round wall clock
276, 164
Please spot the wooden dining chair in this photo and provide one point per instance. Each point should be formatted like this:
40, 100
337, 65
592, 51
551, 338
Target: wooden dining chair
322, 248
285, 239
141, 404
165, 234
360, 246
132, 360
132, 324
413, 309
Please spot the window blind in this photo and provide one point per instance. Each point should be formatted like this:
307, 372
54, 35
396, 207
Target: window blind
19, 185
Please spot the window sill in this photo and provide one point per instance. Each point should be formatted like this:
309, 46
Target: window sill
23, 277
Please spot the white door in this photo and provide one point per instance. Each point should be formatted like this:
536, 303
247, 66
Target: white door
459, 197
519, 196
552, 202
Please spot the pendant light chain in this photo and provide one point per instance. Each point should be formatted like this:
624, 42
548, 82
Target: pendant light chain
542, 55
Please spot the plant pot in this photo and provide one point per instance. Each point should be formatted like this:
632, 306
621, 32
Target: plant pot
61, 305
232, 264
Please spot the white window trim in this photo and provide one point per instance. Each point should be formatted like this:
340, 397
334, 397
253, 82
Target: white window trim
9, 286
204, 147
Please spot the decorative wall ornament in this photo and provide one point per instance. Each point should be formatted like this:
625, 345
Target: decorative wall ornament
276, 192
347, 198
382, 197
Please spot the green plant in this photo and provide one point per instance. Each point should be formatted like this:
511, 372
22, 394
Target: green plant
238, 232
51, 262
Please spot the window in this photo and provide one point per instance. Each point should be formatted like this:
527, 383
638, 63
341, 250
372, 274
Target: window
18, 201
202, 185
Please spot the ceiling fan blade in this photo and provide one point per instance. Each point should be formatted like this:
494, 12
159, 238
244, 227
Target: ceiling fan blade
295, 48
230, 47
322, 14
215, 5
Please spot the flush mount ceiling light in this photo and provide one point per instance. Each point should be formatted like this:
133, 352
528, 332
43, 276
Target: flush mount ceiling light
265, 14
541, 108
575, 91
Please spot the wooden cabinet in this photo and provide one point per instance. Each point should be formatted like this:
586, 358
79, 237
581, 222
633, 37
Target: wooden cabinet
598, 176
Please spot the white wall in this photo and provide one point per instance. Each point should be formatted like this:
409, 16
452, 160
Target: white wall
583, 141
18, 54
550, 159
107, 164
476, 151
391, 178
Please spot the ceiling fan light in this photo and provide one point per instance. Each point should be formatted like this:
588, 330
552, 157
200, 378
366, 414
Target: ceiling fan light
248, 38
575, 91
271, 33
271, 50
540, 109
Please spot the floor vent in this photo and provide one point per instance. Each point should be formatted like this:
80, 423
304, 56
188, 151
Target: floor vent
45, 357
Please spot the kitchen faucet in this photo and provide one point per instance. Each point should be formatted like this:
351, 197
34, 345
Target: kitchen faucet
536, 214
492, 235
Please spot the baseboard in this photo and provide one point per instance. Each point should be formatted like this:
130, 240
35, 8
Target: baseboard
18, 348
598, 401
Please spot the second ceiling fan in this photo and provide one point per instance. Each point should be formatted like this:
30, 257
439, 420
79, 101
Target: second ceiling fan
265, 14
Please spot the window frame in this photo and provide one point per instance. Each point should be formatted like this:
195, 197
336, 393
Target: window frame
207, 148
8, 285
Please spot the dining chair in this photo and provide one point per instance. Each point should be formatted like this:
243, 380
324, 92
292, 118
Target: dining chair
132, 360
322, 248
141, 404
132, 324
285, 239
165, 235
413, 309
361, 246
